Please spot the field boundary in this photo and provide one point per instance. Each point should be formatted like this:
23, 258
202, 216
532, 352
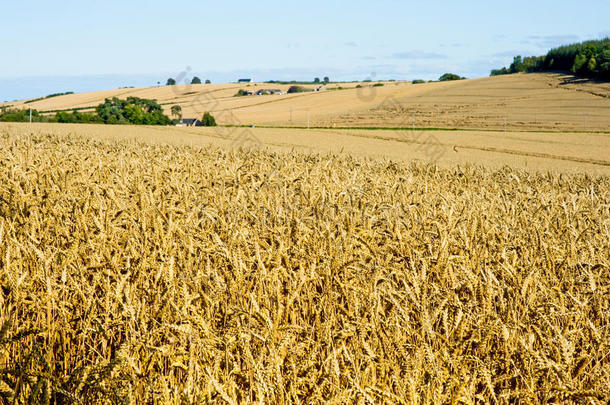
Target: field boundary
539, 131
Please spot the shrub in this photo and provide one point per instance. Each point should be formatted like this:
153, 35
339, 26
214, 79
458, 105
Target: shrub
170, 82
76, 117
418, 81
297, 89
241, 93
196, 80
14, 115
450, 76
208, 120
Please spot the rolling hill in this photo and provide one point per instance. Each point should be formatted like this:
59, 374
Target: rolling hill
544, 101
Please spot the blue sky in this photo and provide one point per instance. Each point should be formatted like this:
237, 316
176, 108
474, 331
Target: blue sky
48, 47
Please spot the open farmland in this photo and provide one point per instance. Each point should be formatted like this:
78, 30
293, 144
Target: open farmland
513, 102
531, 151
138, 269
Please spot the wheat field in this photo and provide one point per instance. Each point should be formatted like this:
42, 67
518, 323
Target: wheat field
135, 272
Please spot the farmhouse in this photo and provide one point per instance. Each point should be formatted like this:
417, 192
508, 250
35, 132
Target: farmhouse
189, 122
269, 91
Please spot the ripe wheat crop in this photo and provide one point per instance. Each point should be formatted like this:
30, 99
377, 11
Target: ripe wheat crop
141, 273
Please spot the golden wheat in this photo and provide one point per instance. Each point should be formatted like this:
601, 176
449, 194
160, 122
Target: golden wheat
142, 273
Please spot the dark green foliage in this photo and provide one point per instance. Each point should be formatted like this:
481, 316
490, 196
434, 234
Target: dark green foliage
498, 72
170, 82
587, 59
326, 79
176, 111
59, 94
450, 76
208, 81
33, 100
133, 110
208, 120
13, 115
378, 85
76, 117
241, 93
196, 80
49, 96
418, 81
297, 89
296, 81
316, 80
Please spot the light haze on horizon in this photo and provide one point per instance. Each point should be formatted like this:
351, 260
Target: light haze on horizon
85, 46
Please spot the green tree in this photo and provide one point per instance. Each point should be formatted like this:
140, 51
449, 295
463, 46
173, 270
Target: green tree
170, 82
134, 114
196, 80
592, 65
133, 110
450, 76
208, 120
208, 81
316, 80
579, 62
517, 65
176, 111
326, 80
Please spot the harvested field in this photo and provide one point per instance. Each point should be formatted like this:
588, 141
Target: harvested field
556, 102
531, 151
144, 271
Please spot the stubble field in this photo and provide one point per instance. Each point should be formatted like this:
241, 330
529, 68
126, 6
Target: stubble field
141, 271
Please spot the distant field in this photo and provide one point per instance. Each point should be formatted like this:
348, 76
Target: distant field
532, 151
513, 102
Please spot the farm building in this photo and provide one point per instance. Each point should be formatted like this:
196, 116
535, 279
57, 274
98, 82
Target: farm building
269, 91
244, 81
190, 122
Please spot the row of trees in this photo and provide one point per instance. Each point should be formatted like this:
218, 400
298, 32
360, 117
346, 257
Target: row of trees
316, 80
172, 82
133, 110
586, 59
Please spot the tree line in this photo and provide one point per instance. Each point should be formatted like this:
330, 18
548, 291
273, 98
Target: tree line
131, 111
587, 59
